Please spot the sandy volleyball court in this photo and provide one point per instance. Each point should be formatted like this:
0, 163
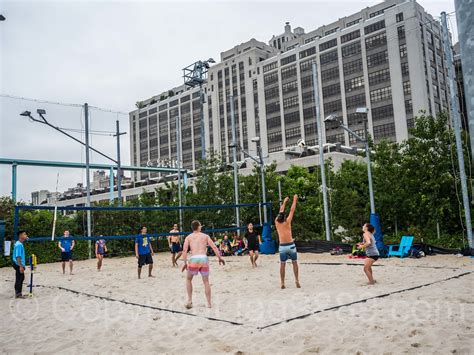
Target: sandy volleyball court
112, 311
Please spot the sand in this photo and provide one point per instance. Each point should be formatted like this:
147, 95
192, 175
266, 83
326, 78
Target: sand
436, 318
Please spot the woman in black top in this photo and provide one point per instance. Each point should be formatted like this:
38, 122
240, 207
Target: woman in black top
253, 241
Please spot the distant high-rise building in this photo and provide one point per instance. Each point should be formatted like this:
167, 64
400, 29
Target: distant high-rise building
39, 197
375, 58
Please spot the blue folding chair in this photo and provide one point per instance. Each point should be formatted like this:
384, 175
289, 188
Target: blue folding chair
403, 248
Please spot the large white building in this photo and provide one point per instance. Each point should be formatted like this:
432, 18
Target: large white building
374, 58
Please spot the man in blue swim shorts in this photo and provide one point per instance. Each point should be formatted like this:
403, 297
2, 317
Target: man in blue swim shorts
287, 247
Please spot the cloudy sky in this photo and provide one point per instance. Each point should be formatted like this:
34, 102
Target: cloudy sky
111, 54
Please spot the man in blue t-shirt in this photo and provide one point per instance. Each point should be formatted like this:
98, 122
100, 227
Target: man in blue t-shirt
144, 251
19, 263
66, 246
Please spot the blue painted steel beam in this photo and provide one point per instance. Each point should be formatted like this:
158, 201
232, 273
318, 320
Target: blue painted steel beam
137, 208
131, 236
61, 164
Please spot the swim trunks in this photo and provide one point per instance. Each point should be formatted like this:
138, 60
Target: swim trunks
198, 264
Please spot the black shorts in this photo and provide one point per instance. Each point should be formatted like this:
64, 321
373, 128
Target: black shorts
144, 259
175, 248
66, 255
253, 246
374, 257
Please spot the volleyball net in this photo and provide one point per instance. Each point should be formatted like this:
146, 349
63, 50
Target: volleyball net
48, 223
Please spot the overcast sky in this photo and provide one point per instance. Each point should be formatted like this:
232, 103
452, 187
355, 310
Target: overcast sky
111, 54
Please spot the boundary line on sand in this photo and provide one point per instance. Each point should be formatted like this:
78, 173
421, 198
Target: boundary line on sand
332, 308
137, 304
380, 265
363, 300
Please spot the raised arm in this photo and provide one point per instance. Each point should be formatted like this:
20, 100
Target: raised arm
293, 208
283, 205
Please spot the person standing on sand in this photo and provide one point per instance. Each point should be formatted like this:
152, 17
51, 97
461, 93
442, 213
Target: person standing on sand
19, 263
144, 251
287, 247
174, 242
100, 250
198, 242
253, 242
371, 250
66, 246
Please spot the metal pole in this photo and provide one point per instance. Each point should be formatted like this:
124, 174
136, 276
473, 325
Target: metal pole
264, 187
457, 126
464, 20
14, 166
119, 164
203, 128
369, 168
234, 157
178, 162
279, 191
88, 177
111, 185
321, 151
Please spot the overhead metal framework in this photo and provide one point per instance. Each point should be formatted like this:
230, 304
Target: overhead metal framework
61, 164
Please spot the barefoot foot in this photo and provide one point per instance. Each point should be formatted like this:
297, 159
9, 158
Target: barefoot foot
283, 286
298, 284
188, 305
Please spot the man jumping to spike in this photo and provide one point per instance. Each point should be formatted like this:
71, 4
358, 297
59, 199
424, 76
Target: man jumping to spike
287, 247
198, 242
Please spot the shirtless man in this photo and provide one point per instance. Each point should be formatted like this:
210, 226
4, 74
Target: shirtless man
287, 247
174, 241
198, 242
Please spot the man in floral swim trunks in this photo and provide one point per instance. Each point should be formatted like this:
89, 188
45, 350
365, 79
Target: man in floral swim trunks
198, 242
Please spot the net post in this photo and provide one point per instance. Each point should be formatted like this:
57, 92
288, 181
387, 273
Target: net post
111, 185
16, 220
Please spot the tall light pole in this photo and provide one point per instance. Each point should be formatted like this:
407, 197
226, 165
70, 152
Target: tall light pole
262, 176
261, 162
234, 157
119, 163
454, 105
196, 74
88, 178
364, 112
361, 110
321, 152
44, 121
178, 163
